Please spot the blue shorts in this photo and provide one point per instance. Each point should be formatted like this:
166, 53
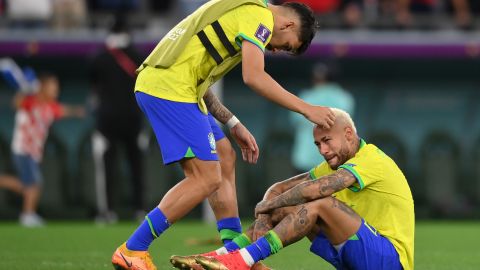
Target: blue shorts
366, 250
182, 130
28, 169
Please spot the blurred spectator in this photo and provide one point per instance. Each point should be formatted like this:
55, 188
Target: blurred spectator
68, 13
189, 6
463, 12
352, 13
320, 7
325, 92
114, 5
118, 120
401, 10
160, 6
350, 10
35, 114
29, 13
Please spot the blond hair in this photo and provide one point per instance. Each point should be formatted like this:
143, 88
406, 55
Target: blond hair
343, 117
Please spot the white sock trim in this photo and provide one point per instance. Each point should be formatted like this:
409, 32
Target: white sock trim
247, 257
222, 250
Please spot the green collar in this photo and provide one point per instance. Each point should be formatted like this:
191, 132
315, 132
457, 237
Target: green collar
362, 144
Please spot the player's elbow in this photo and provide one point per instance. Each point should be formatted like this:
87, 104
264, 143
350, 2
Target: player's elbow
249, 79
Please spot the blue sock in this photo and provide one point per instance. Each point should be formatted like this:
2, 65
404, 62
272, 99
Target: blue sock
153, 226
260, 249
231, 246
229, 228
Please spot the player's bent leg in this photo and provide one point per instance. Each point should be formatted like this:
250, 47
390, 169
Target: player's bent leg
345, 240
336, 220
202, 178
224, 200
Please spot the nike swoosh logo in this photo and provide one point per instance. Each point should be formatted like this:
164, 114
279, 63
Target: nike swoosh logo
129, 264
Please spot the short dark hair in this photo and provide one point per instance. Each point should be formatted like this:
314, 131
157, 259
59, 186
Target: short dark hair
308, 26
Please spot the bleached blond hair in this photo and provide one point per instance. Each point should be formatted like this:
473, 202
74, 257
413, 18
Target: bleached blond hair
344, 118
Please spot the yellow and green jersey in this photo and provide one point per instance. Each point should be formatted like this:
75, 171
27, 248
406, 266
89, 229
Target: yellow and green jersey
179, 82
381, 196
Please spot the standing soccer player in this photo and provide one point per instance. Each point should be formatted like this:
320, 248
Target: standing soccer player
172, 90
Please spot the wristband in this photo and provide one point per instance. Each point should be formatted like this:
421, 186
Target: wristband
232, 122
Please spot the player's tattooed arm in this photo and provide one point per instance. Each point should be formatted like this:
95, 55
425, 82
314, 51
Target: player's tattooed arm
216, 108
281, 187
309, 191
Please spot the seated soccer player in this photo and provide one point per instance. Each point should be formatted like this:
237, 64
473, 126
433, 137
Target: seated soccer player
355, 207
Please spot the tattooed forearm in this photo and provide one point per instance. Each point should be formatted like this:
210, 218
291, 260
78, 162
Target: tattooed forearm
335, 182
216, 108
285, 185
310, 190
293, 196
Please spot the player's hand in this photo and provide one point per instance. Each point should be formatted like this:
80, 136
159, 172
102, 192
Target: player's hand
322, 116
262, 207
263, 224
246, 142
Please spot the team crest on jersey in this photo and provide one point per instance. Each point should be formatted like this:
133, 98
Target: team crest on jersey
262, 33
211, 140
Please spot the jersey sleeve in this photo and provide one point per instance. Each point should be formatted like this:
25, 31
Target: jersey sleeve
366, 169
255, 25
320, 170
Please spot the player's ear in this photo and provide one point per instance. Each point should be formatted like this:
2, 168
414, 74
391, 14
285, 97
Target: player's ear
287, 25
349, 133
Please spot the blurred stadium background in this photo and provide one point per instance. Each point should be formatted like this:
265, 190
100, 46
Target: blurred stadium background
412, 66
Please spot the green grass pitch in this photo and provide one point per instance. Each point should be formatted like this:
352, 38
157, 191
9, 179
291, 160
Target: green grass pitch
438, 246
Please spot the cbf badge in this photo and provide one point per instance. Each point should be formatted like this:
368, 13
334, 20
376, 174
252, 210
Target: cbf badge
211, 140
262, 33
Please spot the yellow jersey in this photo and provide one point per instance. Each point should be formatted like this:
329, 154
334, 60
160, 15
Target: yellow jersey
381, 196
179, 82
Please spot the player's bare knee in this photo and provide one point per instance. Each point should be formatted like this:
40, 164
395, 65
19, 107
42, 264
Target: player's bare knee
320, 205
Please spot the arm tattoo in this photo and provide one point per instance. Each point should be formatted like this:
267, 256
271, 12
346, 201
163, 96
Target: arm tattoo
216, 108
312, 190
335, 182
285, 185
291, 197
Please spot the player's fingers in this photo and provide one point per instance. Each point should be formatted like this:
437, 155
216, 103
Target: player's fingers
256, 151
244, 154
330, 122
250, 156
331, 116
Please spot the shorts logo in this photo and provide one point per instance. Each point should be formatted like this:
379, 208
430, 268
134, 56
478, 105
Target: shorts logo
262, 33
211, 140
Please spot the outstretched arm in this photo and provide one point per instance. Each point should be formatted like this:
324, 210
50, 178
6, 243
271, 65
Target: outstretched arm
239, 132
73, 111
254, 75
308, 191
